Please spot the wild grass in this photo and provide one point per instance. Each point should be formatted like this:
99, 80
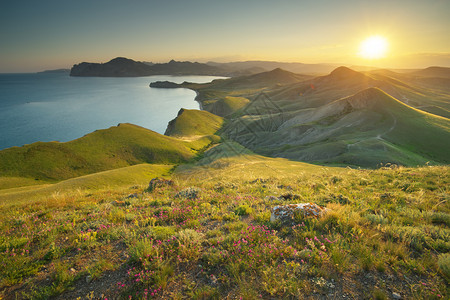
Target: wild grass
386, 231
117, 147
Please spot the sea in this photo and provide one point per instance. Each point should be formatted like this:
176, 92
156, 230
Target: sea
57, 107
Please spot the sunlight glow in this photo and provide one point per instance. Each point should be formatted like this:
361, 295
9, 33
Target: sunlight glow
373, 47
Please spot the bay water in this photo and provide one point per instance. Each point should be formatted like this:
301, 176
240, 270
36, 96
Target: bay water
56, 107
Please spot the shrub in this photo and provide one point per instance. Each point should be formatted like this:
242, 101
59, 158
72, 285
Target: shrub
116, 215
189, 243
243, 210
162, 232
444, 264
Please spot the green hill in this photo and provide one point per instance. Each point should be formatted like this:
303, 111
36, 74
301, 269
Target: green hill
116, 147
307, 119
365, 129
228, 105
242, 86
191, 122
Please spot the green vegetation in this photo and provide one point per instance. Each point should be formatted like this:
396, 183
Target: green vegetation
385, 231
346, 118
228, 105
190, 122
111, 179
101, 150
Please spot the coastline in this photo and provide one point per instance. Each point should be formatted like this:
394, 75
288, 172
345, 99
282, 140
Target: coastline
55, 114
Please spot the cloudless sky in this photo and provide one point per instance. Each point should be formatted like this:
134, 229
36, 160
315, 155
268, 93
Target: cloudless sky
47, 34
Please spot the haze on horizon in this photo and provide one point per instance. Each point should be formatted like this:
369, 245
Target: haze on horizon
57, 34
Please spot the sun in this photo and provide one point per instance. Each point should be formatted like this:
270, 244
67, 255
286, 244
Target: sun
373, 47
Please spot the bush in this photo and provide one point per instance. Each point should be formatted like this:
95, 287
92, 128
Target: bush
444, 264
162, 232
243, 210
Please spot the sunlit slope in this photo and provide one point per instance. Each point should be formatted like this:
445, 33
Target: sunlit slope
112, 179
365, 129
191, 122
428, 94
226, 106
434, 72
242, 86
101, 150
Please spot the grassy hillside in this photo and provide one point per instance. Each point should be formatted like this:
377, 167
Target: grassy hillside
101, 150
111, 179
226, 106
242, 86
209, 235
365, 129
308, 120
433, 72
191, 122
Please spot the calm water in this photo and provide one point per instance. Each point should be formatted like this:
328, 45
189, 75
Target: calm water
57, 107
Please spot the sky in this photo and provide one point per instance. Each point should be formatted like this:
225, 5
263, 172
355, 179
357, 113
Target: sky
51, 34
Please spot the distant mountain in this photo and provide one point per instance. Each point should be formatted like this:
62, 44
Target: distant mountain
261, 66
124, 67
440, 72
276, 77
186, 68
117, 67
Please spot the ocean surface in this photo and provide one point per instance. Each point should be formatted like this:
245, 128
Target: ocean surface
56, 107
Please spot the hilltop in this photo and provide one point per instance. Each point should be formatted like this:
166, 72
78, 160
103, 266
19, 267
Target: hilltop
194, 123
433, 72
117, 147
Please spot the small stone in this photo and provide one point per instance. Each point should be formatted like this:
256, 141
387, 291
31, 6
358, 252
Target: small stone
131, 196
88, 279
271, 198
189, 193
396, 296
287, 211
159, 183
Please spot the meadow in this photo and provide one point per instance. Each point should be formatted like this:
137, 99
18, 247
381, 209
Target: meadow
208, 235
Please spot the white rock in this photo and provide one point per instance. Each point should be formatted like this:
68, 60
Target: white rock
287, 211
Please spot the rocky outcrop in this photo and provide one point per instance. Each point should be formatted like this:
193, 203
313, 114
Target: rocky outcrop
157, 183
286, 212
